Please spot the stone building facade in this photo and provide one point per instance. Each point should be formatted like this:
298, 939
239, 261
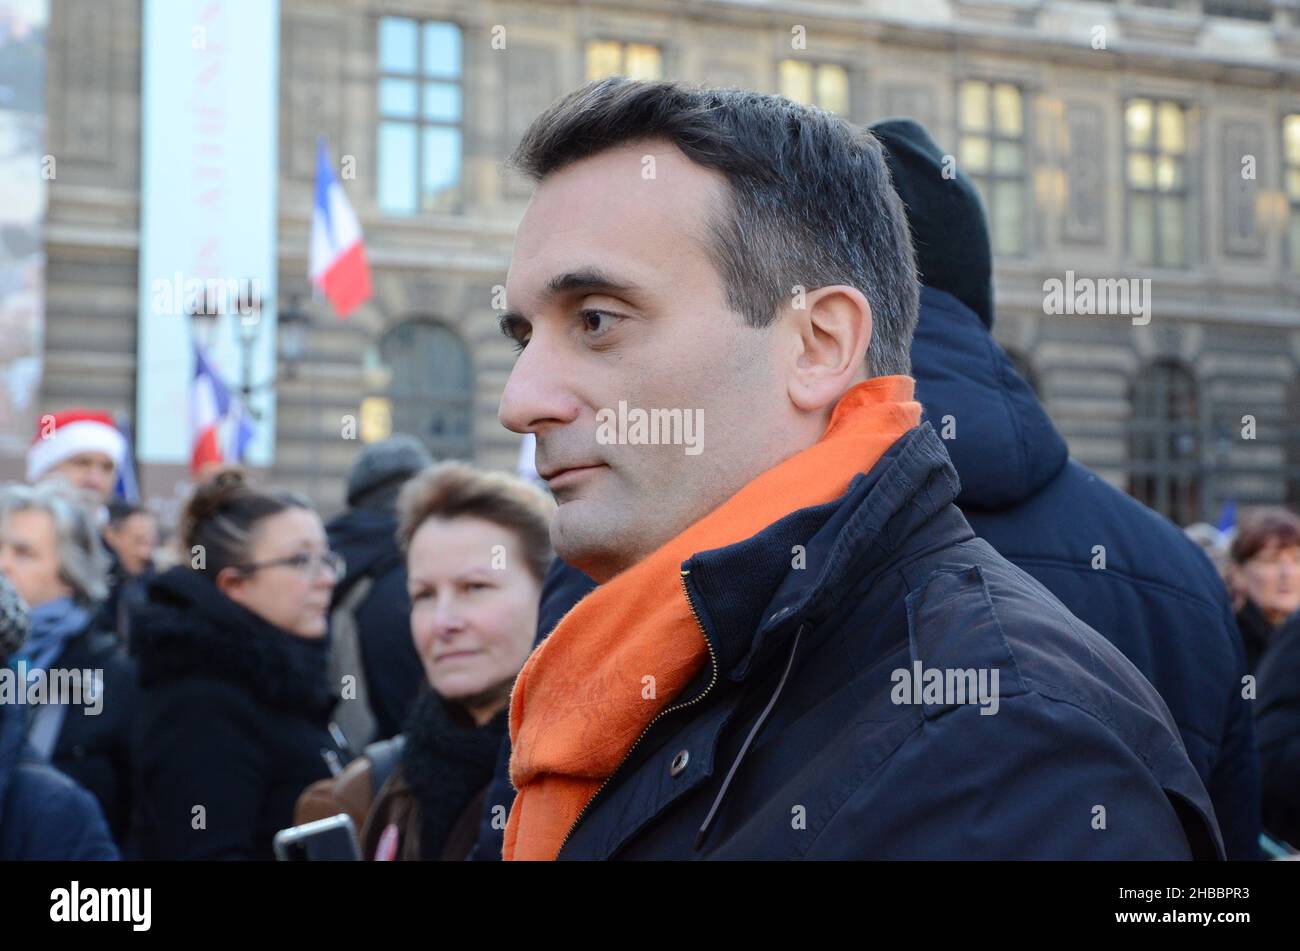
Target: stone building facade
1111, 141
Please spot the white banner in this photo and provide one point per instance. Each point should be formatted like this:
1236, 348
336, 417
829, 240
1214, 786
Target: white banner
208, 213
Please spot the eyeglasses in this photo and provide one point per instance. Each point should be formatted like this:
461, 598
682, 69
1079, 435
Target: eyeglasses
307, 564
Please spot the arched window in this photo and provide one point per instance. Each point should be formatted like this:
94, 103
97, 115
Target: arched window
429, 386
1164, 441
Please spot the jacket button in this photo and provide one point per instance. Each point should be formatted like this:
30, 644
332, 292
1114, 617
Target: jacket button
679, 763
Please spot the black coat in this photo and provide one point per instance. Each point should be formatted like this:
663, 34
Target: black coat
792, 743
232, 725
1278, 730
367, 541
1257, 635
95, 750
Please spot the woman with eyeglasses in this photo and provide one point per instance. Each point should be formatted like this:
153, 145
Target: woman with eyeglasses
235, 699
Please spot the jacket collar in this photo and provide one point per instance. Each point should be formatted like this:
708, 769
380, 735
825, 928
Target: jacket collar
753, 595
188, 627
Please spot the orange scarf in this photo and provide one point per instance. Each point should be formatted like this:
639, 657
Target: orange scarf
579, 705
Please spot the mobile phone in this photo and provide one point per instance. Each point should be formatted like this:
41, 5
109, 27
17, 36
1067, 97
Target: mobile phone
325, 840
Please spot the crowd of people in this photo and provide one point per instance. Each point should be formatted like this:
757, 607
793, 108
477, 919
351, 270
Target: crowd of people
469, 670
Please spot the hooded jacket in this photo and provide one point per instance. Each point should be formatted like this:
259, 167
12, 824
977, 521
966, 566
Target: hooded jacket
797, 741
1158, 599
232, 726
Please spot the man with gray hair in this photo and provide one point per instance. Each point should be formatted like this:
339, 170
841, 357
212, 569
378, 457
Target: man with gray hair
79, 716
729, 689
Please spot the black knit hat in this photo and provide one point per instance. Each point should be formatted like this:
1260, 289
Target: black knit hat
386, 464
947, 219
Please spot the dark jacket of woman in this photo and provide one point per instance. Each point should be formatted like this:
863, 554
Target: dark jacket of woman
232, 723
1277, 727
1256, 634
434, 795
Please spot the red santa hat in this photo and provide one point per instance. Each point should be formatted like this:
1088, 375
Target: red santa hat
60, 436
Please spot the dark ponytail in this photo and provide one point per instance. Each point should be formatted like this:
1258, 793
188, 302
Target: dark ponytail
220, 517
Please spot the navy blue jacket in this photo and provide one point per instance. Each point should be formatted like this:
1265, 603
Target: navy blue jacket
795, 742
44, 815
1158, 599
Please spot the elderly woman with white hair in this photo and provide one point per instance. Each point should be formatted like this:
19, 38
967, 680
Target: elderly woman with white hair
80, 722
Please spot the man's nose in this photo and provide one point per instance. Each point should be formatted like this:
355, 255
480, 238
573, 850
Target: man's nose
538, 390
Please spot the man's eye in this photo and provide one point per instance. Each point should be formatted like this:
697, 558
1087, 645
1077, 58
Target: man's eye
519, 344
596, 321
301, 561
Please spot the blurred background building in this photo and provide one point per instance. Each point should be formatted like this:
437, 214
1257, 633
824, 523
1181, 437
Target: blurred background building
1111, 139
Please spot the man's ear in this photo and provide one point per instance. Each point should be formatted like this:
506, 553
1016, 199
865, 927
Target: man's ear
831, 332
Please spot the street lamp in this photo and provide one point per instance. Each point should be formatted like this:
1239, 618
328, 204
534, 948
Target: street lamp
294, 324
247, 311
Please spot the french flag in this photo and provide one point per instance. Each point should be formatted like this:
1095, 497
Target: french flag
338, 258
209, 404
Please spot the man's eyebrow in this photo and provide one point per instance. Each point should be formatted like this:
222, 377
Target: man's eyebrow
589, 280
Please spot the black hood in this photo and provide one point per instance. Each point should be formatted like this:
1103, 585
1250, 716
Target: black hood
188, 627
949, 230
1001, 441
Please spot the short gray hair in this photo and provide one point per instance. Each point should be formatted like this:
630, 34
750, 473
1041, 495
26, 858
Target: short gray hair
83, 563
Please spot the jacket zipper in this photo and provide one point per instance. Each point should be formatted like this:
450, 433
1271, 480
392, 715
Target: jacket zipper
713, 659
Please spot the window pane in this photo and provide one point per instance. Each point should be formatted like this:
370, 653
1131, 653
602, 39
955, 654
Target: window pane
397, 98
396, 167
1008, 218
1007, 158
442, 102
1141, 228
1007, 110
795, 80
1137, 120
1140, 174
975, 153
1169, 173
643, 61
1293, 183
1291, 138
1172, 132
974, 106
441, 164
604, 58
1173, 241
442, 50
833, 89
396, 45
